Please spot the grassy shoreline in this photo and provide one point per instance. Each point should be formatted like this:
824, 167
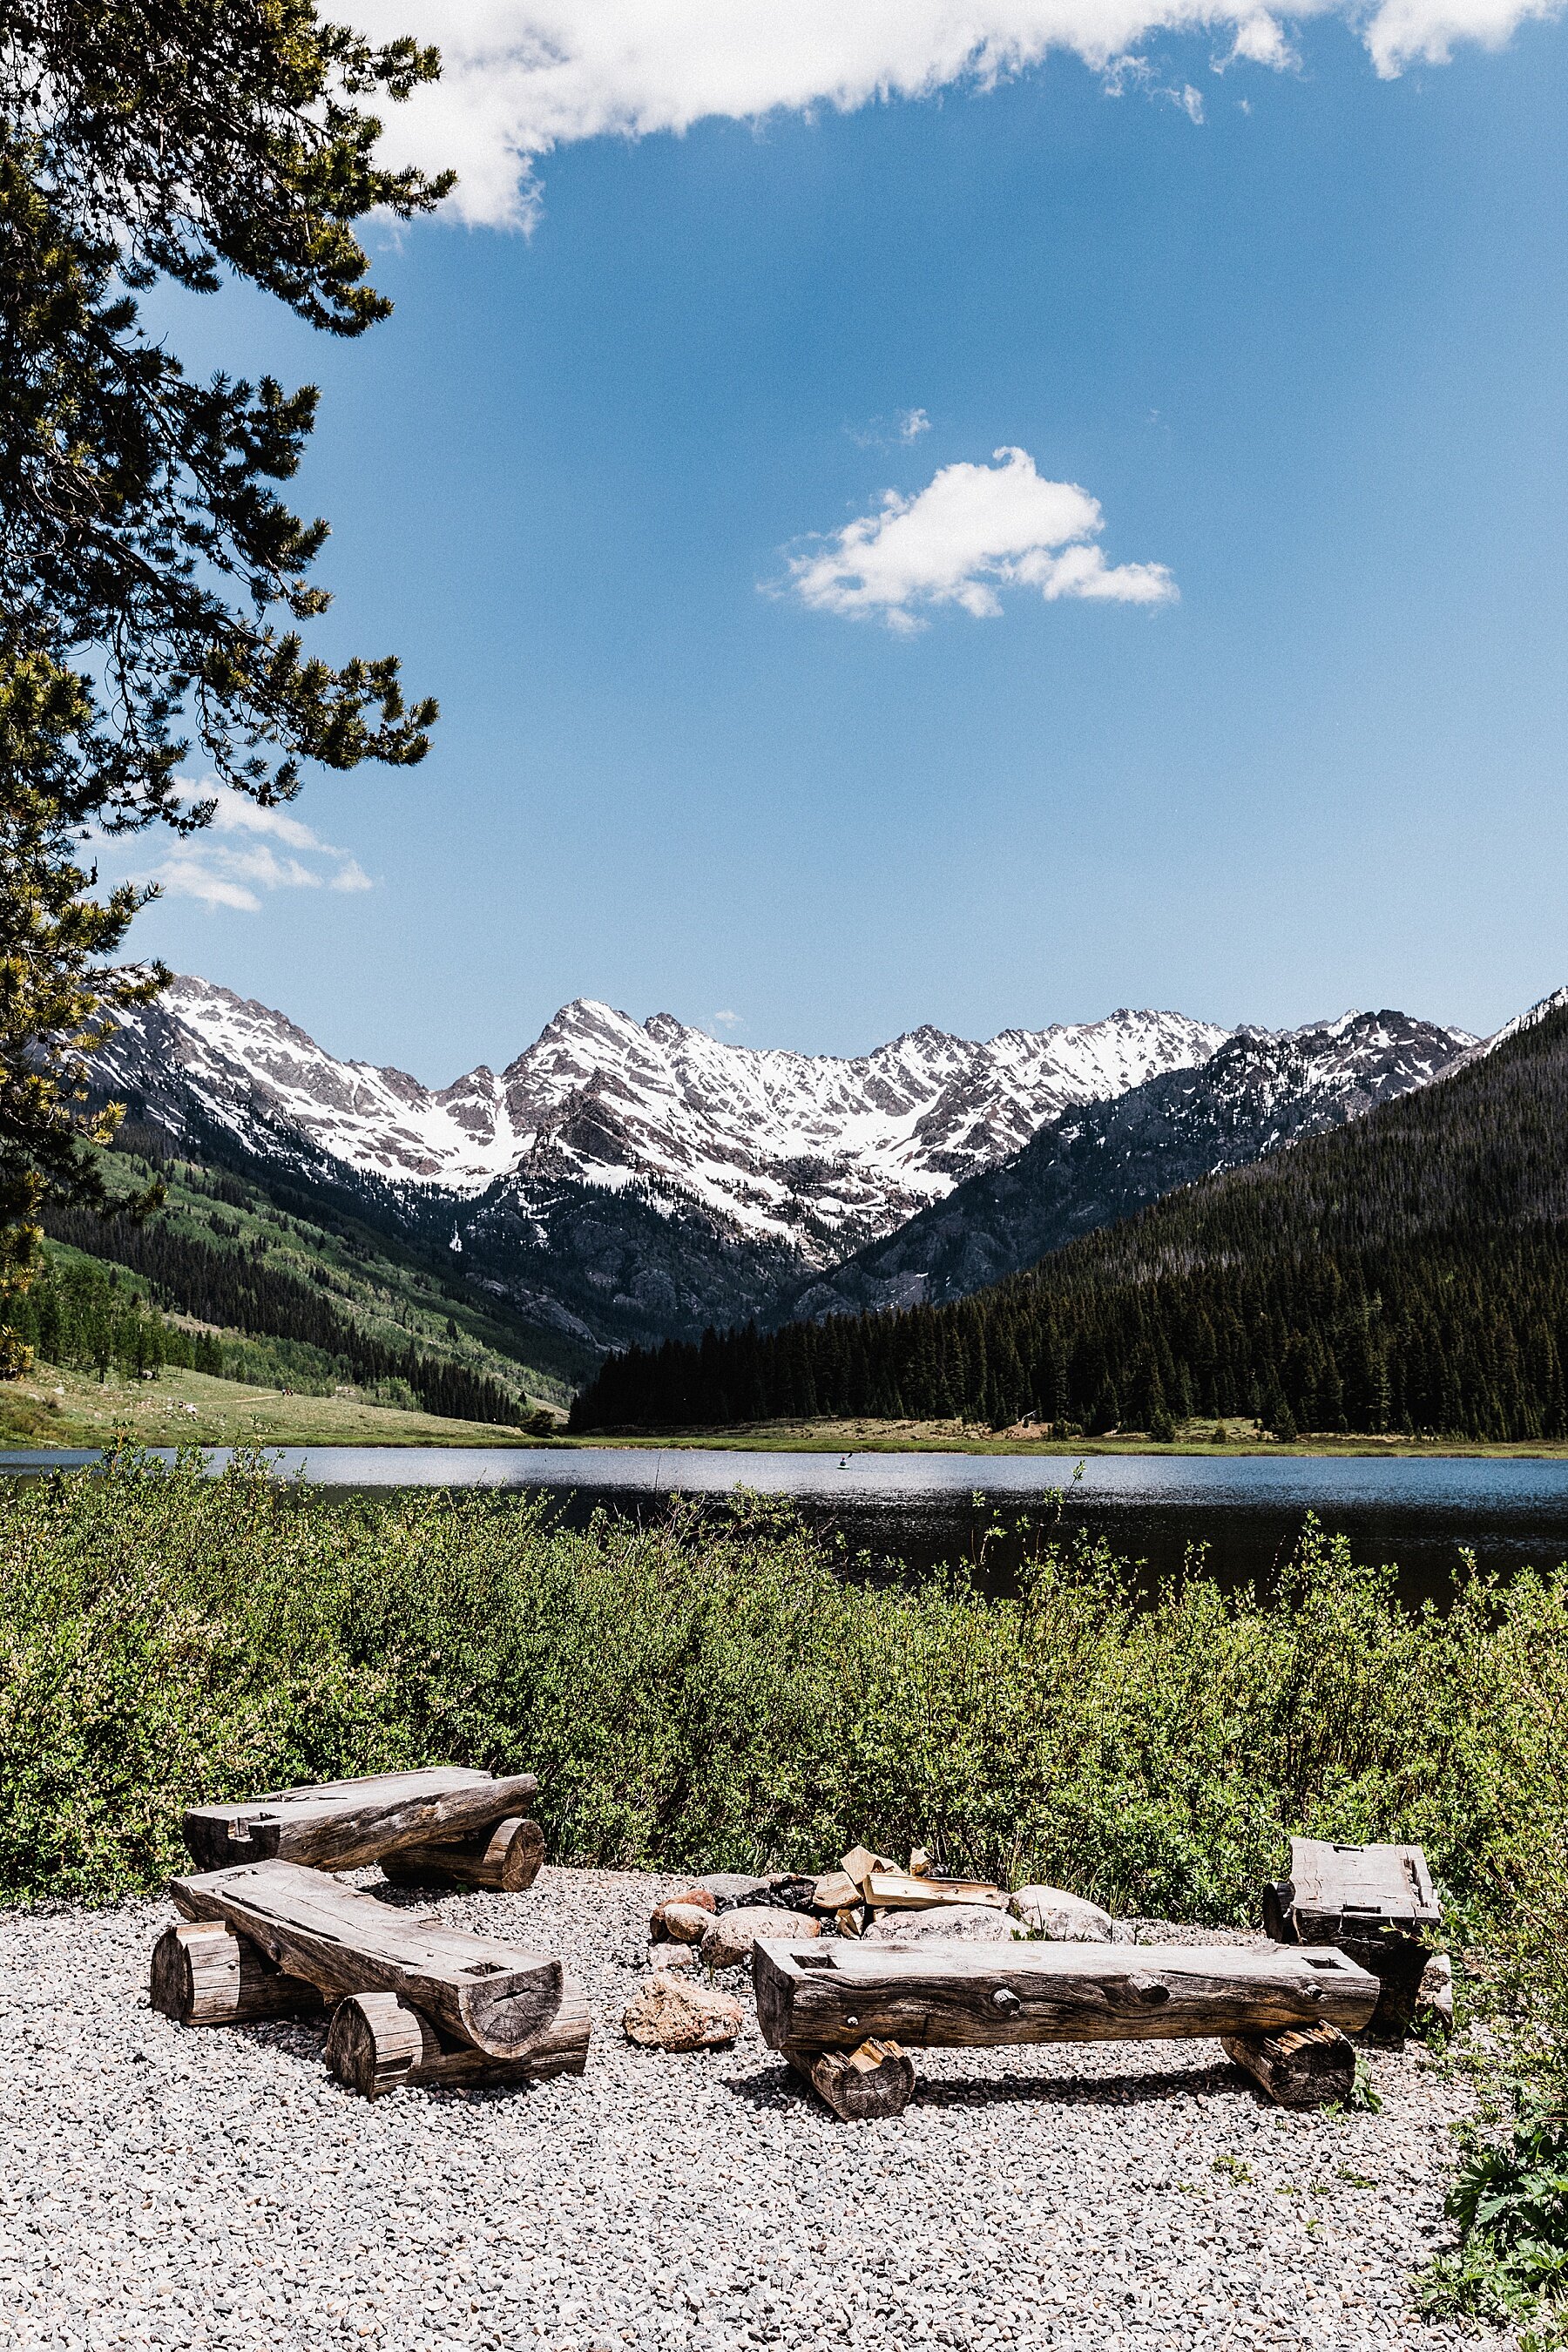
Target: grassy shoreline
51, 1406
955, 1437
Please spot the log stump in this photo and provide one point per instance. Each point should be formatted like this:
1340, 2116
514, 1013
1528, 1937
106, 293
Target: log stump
860, 2084
204, 1974
503, 1861
376, 2041
1307, 2066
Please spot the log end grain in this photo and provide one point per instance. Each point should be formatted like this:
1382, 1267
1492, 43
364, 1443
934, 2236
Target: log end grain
204, 1974
376, 2042
1308, 2066
503, 1861
859, 2085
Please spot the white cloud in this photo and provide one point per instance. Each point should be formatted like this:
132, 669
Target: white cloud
524, 77
728, 1020
971, 532
905, 425
242, 852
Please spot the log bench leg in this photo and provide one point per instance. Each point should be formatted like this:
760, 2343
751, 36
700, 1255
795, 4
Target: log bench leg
504, 1861
858, 2085
376, 2042
204, 1974
1307, 2066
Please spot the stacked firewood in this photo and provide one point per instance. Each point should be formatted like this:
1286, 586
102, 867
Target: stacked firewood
268, 1932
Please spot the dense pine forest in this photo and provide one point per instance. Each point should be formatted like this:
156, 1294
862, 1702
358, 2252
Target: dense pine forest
1408, 1273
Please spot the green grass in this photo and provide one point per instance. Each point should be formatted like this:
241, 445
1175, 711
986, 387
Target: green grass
707, 1692
53, 1406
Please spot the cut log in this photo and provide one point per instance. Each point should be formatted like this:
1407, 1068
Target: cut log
1375, 1903
860, 2084
344, 1824
1310, 2066
890, 1890
203, 1975
859, 1861
834, 1996
377, 2043
482, 1991
505, 1860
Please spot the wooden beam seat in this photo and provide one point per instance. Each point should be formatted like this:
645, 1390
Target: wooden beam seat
486, 1994
1375, 1903
840, 1996
342, 1824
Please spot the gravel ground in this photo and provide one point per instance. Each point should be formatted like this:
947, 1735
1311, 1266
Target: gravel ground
167, 2187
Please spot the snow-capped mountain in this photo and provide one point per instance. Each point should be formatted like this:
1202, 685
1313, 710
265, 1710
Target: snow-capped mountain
1089, 1166
815, 1151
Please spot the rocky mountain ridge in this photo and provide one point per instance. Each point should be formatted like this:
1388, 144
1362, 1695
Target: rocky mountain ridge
624, 1182
816, 1151
1095, 1165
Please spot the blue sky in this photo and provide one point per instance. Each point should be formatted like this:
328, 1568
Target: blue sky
1308, 353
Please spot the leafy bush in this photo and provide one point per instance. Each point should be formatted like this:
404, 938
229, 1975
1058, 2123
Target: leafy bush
713, 1692
1510, 2202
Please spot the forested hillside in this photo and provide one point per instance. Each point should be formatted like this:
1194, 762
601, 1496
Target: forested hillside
1407, 1273
282, 1297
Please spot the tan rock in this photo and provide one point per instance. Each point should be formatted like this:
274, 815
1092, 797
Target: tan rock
1060, 1917
680, 1923
675, 1956
945, 1923
670, 2014
1435, 2001
730, 1937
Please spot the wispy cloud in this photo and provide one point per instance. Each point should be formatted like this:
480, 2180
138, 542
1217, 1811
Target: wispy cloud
972, 531
244, 853
520, 77
905, 425
729, 1020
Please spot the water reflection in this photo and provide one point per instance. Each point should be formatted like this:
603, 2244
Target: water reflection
924, 1509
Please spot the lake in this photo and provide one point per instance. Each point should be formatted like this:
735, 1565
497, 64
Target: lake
923, 1509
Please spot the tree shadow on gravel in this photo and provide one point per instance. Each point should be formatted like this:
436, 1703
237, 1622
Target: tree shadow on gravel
777, 2087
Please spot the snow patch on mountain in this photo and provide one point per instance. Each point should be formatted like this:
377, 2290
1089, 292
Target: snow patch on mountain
820, 1151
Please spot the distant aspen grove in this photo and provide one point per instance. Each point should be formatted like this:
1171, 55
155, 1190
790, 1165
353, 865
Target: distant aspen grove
1405, 1274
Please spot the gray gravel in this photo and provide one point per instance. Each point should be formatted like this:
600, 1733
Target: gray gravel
162, 2186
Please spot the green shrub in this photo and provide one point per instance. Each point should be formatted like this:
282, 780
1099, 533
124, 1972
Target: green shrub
711, 1692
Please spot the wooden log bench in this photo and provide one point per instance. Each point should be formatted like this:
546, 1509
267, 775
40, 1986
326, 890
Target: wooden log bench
1375, 1903
412, 1998
846, 2014
447, 1826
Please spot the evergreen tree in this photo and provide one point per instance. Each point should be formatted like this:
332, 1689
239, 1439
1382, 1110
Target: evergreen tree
150, 576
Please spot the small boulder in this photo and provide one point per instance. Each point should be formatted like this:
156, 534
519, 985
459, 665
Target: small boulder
670, 2014
680, 1923
730, 1937
1435, 2001
1062, 1918
945, 1923
675, 1956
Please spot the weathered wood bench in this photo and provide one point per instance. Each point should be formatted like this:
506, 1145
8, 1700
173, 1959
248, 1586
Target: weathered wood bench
412, 1999
447, 1826
846, 2014
1375, 1903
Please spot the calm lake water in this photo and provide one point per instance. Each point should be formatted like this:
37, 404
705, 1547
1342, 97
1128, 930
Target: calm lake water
922, 1508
